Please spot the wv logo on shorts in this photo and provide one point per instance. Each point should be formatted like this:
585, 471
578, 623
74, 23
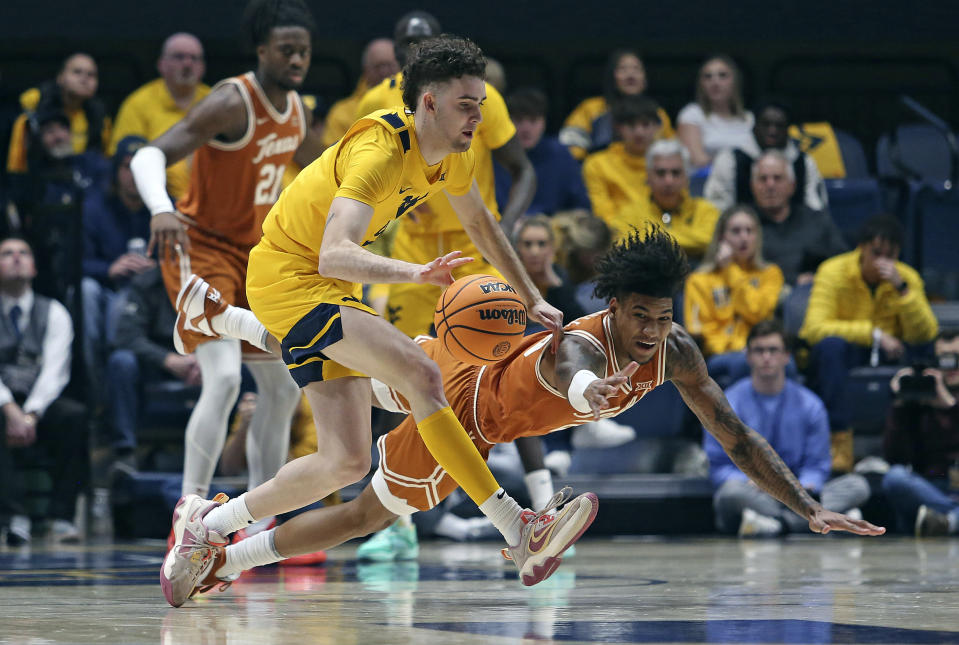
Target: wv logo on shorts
511, 316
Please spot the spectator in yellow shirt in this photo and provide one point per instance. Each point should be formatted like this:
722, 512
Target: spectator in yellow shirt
590, 127
732, 290
378, 62
691, 220
153, 108
866, 307
73, 92
616, 176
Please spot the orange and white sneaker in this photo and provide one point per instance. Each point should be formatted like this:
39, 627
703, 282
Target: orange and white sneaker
196, 305
193, 549
545, 535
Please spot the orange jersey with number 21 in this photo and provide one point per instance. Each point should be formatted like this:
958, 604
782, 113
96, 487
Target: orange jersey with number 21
233, 185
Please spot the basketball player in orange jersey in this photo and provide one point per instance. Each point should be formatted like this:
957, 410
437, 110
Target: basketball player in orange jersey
304, 282
606, 362
241, 137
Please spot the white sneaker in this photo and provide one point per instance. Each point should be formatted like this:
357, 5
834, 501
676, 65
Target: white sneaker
754, 524
854, 513
558, 462
64, 531
604, 433
18, 531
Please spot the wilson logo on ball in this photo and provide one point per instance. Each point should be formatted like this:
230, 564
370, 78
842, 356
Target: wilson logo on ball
511, 316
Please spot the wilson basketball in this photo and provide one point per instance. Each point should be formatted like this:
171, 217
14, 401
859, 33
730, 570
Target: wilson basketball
479, 319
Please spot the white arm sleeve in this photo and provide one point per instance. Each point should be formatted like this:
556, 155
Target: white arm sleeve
149, 172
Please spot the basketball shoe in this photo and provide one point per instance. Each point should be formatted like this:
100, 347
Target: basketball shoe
196, 305
210, 580
395, 542
931, 523
545, 535
193, 548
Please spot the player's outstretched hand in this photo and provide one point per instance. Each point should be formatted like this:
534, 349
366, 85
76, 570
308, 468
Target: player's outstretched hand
438, 271
549, 317
598, 392
824, 521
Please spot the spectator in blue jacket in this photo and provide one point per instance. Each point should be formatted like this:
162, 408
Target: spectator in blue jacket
559, 181
794, 422
116, 227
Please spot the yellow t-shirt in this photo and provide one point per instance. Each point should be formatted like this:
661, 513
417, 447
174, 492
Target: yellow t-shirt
79, 131
614, 178
692, 224
494, 131
578, 129
377, 162
722, 306
149, 112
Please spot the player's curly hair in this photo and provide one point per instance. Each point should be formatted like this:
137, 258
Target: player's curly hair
649, 262
261, 16
435, 60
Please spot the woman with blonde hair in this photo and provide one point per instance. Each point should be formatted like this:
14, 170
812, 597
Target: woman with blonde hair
717, 118
733, 289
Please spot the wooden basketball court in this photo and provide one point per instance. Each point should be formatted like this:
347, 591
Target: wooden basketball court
798, 590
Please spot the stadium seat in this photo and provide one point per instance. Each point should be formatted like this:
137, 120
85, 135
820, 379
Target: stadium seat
852, 202
933, 227
853, 155
915, 151
869, 399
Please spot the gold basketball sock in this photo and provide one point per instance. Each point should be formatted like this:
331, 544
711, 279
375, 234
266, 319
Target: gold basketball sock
447, 441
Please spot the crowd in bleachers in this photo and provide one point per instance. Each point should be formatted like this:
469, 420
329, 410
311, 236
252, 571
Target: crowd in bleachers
807, 297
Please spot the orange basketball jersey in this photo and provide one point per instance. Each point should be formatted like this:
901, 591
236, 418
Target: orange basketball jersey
511, 398
233, 185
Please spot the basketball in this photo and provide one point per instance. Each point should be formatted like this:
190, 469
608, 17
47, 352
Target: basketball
479, 319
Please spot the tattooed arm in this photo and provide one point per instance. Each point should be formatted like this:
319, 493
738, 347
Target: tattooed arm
750, 452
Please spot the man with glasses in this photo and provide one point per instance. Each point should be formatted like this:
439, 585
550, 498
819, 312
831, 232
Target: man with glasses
153, 108
794, 422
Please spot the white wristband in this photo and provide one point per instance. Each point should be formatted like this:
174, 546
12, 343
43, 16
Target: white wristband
149, 172
577, 387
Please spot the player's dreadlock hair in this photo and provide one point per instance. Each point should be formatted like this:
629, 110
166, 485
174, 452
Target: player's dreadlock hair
648, 262
440, 59
261, 16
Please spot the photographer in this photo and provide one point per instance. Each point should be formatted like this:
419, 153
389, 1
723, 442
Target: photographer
922, 441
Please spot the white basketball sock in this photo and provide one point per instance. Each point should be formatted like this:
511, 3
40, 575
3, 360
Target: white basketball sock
268, 438
237, 322
229, 517
505, 514
539, 483
252, 552
206, 430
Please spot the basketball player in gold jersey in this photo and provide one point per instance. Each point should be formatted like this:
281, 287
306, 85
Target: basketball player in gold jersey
434, 228
606, 362
304, 283
241, 138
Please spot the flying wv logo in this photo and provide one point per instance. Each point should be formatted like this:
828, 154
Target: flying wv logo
408, 202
